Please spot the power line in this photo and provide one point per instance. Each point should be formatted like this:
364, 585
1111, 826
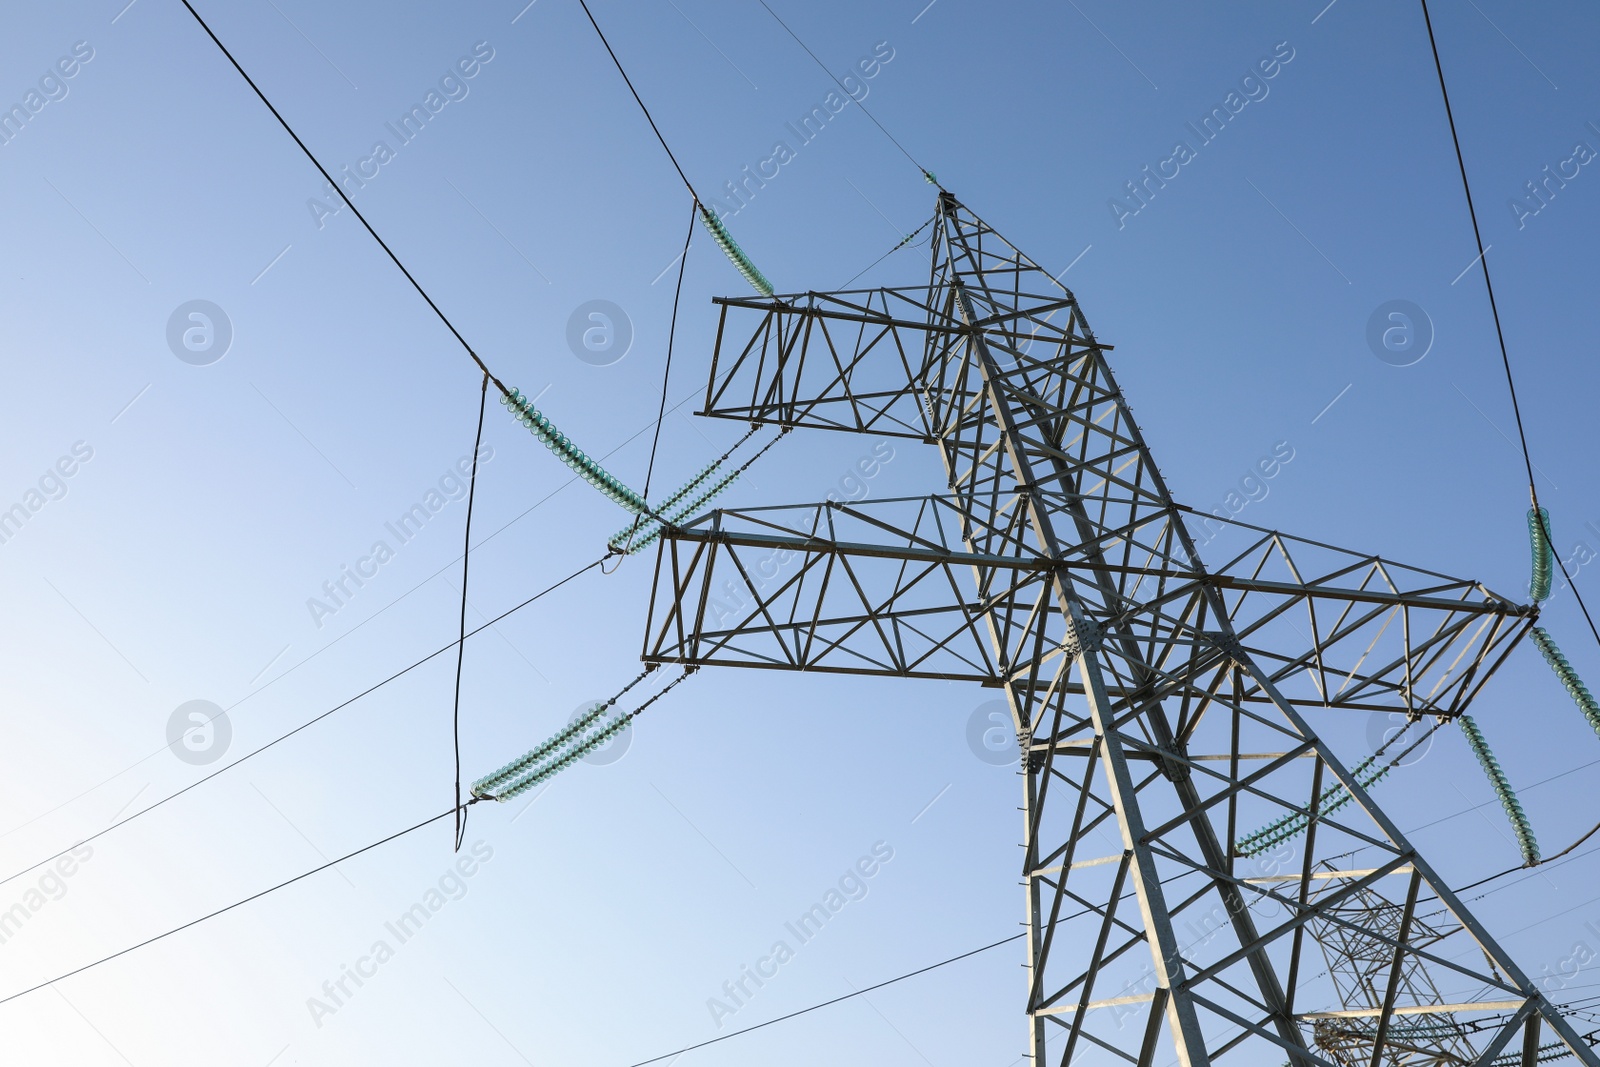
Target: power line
1472, 213
384, 245
871, 988
1530, 871
640, 101
459, 808
825, 1003
512, 522
672, 334
1505, 358
428, 822
1487, 803
238, 903
504, 389
920, 168
1516, 408
342, 196
905, 242
304, 725
455, 810
1511, 870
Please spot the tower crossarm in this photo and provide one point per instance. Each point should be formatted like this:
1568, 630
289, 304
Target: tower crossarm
1341, 629
832, 361
890, 587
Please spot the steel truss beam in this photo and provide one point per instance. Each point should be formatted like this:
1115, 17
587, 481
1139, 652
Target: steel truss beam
1159, 703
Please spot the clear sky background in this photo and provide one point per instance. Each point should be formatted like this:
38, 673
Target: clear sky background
175, 564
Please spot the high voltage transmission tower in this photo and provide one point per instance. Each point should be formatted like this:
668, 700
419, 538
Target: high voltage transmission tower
1160, 705
1356, 935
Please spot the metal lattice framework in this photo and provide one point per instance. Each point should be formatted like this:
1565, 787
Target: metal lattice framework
1160, 704
1356, 936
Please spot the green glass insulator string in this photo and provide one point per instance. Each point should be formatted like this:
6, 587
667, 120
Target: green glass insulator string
583, 722
566, 747
550, 758
570, 756
730, 248
659, 517
1294, 824
1520, 826
1539, 541
1555, 1050
652, 532
691, 485
1569, 677
1539, 587
622, 541
657, 529
711, 468
557, 442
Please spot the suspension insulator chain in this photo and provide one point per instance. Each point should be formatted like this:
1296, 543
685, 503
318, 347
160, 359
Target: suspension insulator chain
567, 747
1294, 824
730, 248
621, 540
584, 467
1539, 539
1539, 588
1502, 790
583, 722
1569, 677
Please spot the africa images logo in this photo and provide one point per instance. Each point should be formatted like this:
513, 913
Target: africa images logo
1400, 333
599, 333
199, 332
992, 734
198, 732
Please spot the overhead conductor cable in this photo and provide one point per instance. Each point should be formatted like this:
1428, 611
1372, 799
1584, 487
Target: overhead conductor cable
713, 224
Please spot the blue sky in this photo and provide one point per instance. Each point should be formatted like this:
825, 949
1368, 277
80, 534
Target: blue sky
176, 561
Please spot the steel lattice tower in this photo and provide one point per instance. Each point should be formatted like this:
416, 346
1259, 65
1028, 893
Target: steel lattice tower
1356, 935
1160, 704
